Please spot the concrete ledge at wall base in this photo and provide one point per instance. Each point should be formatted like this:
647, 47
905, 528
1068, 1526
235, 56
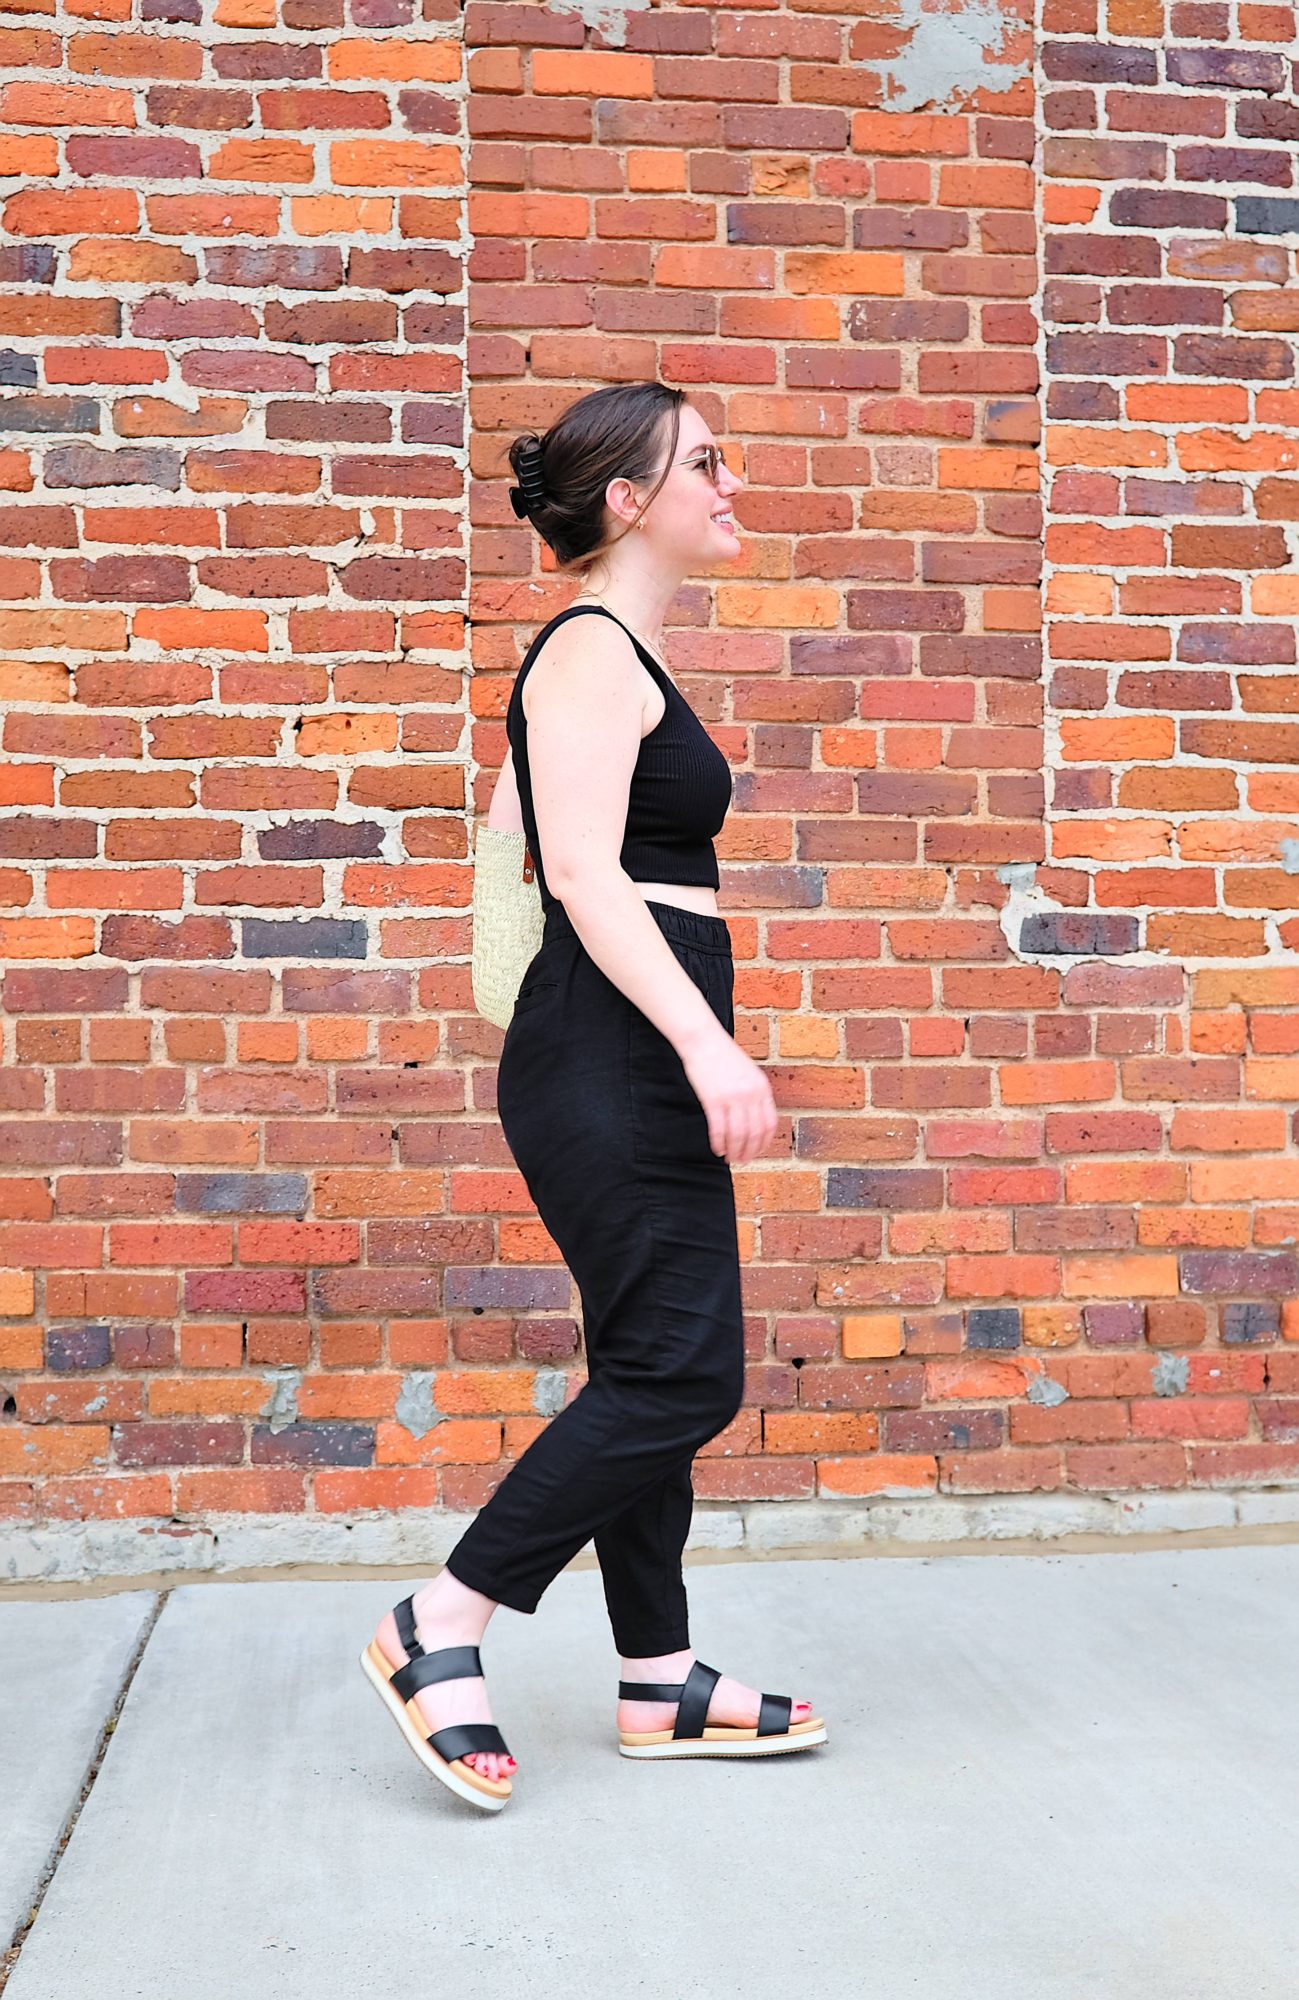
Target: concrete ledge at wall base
82, 1551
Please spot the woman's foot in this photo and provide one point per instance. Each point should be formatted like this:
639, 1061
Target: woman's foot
449, 1614
733, 1705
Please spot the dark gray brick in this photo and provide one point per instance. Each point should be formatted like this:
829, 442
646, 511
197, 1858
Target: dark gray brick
993, 1326
1080, 932
28, 264
303, 937
17, 371
241, 1194
50, 413
501, 1290
320, 839
87, 465
69, 1347
313, 1444
902, 1188
1267, 215
1245, 1320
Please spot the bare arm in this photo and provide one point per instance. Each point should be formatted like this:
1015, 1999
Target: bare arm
585, 695
505, 812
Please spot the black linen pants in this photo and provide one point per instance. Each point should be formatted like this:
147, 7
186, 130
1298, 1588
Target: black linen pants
612, 1143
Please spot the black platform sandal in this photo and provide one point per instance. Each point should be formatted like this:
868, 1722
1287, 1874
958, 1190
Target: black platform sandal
442, 1750
693, 1736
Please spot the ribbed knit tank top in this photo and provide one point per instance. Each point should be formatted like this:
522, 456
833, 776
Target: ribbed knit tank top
680, 787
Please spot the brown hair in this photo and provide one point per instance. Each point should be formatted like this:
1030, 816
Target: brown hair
612, 433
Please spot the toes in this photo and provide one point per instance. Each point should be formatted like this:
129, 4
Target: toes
489, 1764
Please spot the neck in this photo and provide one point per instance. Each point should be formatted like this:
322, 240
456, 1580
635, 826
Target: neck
640, 600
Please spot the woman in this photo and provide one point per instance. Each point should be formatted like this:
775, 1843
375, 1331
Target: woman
624, 1100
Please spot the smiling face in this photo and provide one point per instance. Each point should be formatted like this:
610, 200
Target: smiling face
689, 521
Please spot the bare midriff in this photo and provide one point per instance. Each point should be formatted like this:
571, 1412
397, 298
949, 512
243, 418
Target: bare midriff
683, 895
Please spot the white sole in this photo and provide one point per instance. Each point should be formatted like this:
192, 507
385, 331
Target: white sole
754, 1746
428, 1757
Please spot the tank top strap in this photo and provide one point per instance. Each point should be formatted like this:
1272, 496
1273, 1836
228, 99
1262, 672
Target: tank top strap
660, 673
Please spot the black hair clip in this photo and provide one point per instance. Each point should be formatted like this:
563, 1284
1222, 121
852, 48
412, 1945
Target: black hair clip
531, 490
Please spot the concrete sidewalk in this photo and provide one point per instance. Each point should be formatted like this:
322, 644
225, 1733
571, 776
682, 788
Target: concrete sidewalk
1049, 1777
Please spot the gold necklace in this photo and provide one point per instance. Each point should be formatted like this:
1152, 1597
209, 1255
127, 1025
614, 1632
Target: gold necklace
591, 598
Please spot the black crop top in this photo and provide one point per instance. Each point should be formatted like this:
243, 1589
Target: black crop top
680, 788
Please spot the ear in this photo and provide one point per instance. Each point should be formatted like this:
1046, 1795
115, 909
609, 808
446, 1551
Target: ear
620, 496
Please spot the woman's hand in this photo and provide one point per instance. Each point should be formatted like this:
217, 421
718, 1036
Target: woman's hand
735, 1095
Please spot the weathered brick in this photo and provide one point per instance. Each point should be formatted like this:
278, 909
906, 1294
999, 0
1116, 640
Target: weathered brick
1240, 1270
78, 1347
1006, 676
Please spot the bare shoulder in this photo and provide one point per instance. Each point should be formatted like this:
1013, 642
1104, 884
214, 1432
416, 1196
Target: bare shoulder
588, 665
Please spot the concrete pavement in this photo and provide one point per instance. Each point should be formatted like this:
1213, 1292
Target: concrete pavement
61, 1665
1049, 1777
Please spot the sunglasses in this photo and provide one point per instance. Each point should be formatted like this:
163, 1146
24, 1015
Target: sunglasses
710, 455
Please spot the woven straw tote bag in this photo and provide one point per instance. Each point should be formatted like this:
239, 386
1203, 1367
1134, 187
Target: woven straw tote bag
507, 920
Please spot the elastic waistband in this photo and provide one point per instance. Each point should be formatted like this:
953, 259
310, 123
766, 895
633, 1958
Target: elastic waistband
688, 927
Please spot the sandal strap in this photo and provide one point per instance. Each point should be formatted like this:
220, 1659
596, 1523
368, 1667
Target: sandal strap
692, 1712
774, 1713
463, 1738
693, 1696
447, 1663
404, 1614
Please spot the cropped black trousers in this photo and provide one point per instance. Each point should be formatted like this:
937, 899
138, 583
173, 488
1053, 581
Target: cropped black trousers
612, 1144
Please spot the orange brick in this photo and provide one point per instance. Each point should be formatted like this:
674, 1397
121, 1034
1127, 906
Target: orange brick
1245, 1180
591, 73
1100, 1277
885, 1472
375, 1489
463, 1441
867, 1335
977, 1377
1057, 1083
1002, 1277
17, 1293
1116, 739
43, 1448
815, 1432
1128, 1181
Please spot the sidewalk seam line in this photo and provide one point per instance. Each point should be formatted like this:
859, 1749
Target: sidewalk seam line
13, 1950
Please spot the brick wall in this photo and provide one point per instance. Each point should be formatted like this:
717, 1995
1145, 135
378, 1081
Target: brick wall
1011, 921
1171, 878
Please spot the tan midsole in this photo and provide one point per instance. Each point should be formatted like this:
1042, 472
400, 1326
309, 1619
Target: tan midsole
418, 1731
716, 1733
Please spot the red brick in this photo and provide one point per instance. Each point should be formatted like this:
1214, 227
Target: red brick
251, 689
